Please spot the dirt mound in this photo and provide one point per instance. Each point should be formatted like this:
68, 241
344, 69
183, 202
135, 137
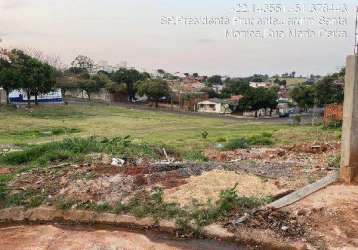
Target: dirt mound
210, 184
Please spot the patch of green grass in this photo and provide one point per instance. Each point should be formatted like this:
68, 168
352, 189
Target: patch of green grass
64, 204
195, 155
180, 131
98, 207
28, 199
265, 139
236, 144
44, 132
260, 140
76, 148
221, 139
333, 124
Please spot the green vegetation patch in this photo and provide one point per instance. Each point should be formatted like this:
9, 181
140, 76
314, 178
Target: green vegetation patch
28, 198
265, 139
195, 155
76, 148
44, 132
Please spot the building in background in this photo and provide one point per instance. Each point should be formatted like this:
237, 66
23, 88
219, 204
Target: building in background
218, 106
105, 66
20, 97
261, 85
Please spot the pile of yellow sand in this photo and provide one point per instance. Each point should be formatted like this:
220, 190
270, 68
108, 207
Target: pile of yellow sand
210, 184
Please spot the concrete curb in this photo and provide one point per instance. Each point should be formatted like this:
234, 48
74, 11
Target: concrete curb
305, 191
50, 215
45, 214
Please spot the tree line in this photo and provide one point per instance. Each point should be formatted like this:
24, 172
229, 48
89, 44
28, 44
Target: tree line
34, 73
328, 90
125, 81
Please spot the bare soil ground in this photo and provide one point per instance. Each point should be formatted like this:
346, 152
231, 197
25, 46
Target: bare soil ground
325, 220
50, 237
259, 172
331, 217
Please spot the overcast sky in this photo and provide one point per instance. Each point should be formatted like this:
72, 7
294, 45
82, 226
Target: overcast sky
131, 30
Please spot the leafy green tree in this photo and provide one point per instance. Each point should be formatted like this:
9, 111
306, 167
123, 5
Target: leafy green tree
304, 96
210, 91
235, 87
93, 84
83, 63
328, 91
215, 79
30, 74
130, 78
8, 74
255, 99
65, 83
155, 90
44, 79
280, 82
270, 97
161, 71
257, 78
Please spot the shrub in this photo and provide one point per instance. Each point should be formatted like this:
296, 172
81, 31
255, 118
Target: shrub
242, 143
260, 140
333, 124
334, 161
204, 134
236, 144
266, 134
221, 139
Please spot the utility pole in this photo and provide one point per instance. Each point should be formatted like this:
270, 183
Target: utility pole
356, 33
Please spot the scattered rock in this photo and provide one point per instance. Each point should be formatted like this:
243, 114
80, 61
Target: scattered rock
117, 162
